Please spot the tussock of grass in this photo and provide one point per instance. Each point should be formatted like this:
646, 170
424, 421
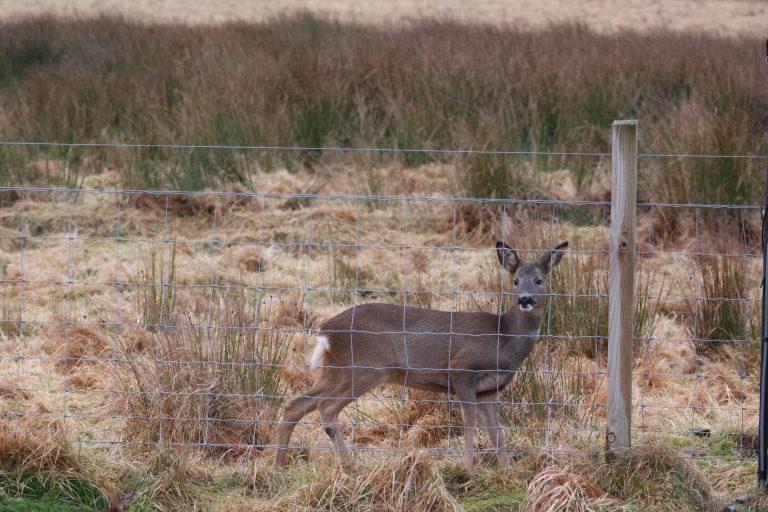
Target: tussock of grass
173, 204
169, 479
10, 389
652, 475
36, 443
158, 293
721, 314
558, 489
759, 501
75, 347
579, 308
411, 483
722, 306
211, 374
428, 418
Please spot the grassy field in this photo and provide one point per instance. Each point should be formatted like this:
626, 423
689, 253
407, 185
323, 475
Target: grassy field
306, 82
720, 17
138, 327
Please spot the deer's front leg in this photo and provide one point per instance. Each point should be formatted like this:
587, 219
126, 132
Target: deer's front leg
466, 393
488, 414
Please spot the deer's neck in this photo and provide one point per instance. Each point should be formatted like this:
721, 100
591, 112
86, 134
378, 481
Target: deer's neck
523, 324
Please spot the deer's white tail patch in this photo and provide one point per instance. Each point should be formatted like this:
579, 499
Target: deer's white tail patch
321, 347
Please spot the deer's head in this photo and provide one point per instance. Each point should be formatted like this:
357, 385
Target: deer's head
530, 278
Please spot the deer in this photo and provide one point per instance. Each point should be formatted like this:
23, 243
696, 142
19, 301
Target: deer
470, 355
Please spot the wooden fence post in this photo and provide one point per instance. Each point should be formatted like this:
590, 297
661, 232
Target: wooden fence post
621, 284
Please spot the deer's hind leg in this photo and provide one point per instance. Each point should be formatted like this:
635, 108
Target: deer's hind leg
343, 395
295, 410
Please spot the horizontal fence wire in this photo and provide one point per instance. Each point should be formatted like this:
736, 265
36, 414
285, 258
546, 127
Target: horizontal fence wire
136, 325
447, 151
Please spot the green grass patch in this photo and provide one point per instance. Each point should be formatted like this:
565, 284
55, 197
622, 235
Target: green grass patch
493, 500
49, 492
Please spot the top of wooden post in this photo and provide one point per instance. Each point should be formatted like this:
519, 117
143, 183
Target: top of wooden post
625, 121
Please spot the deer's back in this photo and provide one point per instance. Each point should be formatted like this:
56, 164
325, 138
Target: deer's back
391, 336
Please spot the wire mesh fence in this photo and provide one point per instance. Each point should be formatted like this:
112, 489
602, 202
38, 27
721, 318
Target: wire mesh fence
188, 318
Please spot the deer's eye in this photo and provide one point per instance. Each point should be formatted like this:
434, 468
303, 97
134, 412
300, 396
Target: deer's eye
539, 282
516, 281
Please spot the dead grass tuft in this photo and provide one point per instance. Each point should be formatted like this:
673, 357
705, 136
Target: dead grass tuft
36, 443
428, 431
214, 378
474, 220
759, 501
297, 378
137, 340
556, 489
651, 470
251, 259
9, 198
9, 389
427, 417
174, 204
289, 310
651, 372
411, 483
73, 347
89, 378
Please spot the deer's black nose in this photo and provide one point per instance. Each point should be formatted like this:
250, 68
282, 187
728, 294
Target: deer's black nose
525, 300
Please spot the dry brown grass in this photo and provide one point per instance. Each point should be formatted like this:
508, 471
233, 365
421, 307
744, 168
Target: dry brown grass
36, 443
10, 390
212, 372
175, 382
556, 489
411, 483
173, 204
427, 419
73, 347
188, 394
653, 469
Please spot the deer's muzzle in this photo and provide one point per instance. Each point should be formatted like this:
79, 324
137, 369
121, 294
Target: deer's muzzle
525, 302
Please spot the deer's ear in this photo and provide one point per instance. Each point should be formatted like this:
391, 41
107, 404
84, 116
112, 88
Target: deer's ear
553, 257
507, 257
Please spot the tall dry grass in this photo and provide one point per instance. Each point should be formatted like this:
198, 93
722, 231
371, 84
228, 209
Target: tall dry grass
211, 372
722, 305
309, 82
216, 384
